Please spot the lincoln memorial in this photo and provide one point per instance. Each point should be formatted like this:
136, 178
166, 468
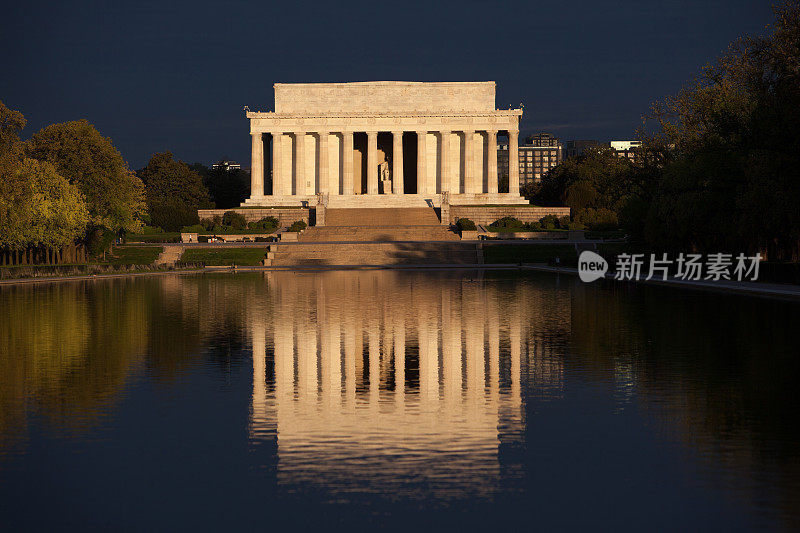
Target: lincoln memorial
382, 144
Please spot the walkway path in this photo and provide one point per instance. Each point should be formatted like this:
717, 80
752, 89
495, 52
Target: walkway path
755, 288
750, 287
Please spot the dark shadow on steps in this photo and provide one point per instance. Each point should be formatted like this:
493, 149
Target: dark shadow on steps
448, 253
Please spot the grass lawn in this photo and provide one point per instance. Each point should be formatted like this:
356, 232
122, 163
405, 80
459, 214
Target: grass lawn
225, 256
528, 253
134, 255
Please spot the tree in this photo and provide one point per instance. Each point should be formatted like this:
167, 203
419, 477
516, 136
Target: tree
228, 188
39, 207
11, 123
724, 154
174, 192
597, 186
113, 194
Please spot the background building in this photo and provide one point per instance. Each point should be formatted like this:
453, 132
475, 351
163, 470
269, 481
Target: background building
626, 149
226, 165
540, 153
576, 148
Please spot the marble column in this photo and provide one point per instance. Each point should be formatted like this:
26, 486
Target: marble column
422, 166
277, 168
469, 162
447, 184
257, 166
300, 166
397, 162
372, 162
491, 153
347, 162
324, 171
513, 163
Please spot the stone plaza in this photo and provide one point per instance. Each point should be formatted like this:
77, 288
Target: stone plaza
382, 144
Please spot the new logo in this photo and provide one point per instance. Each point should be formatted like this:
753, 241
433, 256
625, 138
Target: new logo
591, 266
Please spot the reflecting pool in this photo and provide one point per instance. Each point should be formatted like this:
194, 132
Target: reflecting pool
395, 399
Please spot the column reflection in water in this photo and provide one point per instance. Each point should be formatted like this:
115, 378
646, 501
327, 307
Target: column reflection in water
406, 383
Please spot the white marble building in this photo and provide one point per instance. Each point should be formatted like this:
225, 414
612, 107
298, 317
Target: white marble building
382, 144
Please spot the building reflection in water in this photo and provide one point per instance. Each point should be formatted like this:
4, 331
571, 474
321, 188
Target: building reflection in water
399, 383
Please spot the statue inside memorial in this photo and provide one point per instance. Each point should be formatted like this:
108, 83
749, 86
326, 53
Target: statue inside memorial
385, 175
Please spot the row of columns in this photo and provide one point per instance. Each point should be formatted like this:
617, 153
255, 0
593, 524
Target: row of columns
282, 185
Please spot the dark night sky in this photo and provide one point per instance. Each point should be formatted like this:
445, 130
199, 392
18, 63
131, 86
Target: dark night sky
164, 75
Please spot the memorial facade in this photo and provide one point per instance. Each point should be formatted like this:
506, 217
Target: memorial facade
382, 144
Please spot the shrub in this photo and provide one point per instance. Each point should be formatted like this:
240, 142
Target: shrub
297, 226
150, 230
98, 239
533, 226
208, 224
549, 222
465, 224
172, 216
575, 225
197, 228
234, 220
265, 224
563, 222
598, 219
507, 223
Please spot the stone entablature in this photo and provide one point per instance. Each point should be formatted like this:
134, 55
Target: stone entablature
348, 140
383, 96
269, 122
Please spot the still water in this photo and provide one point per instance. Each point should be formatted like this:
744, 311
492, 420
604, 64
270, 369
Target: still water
395, 399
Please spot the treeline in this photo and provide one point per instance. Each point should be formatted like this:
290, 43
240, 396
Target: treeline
69, 185
719, 167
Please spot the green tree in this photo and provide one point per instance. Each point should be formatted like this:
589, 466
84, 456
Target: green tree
39, 207
174, 192
597, 186
724, 153
113, 194
11, 123
228, 188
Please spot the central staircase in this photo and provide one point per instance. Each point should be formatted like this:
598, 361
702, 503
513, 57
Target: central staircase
389, 216
376, 236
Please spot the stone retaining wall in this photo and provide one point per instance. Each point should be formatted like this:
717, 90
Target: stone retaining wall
488, 214
285, 216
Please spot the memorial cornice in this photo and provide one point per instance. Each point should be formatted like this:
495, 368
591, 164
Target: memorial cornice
371, 114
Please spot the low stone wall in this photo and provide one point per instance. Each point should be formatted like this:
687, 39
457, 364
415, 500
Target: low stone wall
285, 216
488, 214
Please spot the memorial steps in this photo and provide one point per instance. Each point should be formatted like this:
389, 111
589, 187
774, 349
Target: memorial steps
376, 236
383, 201
415, 216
